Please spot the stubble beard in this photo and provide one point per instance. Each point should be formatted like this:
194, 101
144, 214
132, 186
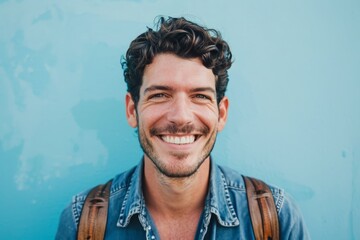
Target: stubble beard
176, 171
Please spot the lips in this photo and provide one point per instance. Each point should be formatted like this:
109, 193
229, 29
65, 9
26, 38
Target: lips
180, 140
173, 134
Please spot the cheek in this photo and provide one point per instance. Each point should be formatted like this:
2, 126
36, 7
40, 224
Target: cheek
210, 111
150, 116
207, 115
210, 118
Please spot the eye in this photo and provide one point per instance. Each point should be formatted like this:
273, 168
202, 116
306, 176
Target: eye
157, 95
202, 98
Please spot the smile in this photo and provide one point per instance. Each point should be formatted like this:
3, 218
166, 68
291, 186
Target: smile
178, 139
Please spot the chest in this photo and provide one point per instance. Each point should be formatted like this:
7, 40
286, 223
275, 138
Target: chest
179, 229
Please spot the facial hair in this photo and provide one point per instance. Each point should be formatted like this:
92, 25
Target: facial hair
160, 164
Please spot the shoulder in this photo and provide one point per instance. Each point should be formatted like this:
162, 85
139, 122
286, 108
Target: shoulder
291, 221
292, 225
120, 183
235, 182
70, 216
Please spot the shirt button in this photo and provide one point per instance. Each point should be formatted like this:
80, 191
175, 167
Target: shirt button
152, 237
149, 227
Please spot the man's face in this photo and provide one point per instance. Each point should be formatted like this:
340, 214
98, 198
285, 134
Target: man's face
177, 114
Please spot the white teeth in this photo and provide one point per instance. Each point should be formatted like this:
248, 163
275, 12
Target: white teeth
178, 140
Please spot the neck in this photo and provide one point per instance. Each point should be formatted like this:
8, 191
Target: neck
175, 197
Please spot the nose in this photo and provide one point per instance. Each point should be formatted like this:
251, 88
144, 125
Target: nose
180, 111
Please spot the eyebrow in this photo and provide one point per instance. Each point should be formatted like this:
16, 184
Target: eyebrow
168, 88
203, 89
157, 87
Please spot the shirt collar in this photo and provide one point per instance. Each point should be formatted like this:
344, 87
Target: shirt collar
133, 202
218, 199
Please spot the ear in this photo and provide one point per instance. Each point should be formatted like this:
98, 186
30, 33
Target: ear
223, 113
130, 111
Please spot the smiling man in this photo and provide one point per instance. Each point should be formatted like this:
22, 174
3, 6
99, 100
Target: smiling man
177, 116
177, 78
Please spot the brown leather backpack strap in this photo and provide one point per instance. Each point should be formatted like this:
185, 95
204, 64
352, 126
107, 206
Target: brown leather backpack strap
93, 217
264, 217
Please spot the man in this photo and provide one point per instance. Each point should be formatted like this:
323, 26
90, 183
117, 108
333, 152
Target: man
176, 78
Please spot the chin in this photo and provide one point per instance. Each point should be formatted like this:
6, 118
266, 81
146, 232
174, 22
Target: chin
178, 174
179, 169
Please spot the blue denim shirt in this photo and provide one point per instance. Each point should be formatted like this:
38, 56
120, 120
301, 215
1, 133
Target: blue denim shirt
225, 215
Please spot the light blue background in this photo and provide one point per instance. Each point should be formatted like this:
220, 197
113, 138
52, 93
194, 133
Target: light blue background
294, 115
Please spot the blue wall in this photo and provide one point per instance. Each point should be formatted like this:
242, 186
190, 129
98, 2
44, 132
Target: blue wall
294, 114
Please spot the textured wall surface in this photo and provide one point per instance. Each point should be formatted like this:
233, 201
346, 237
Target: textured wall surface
294, 114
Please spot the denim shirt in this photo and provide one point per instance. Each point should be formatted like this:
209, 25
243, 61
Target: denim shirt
225, 215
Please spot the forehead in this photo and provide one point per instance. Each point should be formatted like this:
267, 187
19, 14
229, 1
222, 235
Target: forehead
177, 72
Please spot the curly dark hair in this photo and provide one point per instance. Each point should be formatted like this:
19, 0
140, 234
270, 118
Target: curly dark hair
183, 38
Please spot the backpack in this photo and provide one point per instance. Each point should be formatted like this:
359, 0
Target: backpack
264, 217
